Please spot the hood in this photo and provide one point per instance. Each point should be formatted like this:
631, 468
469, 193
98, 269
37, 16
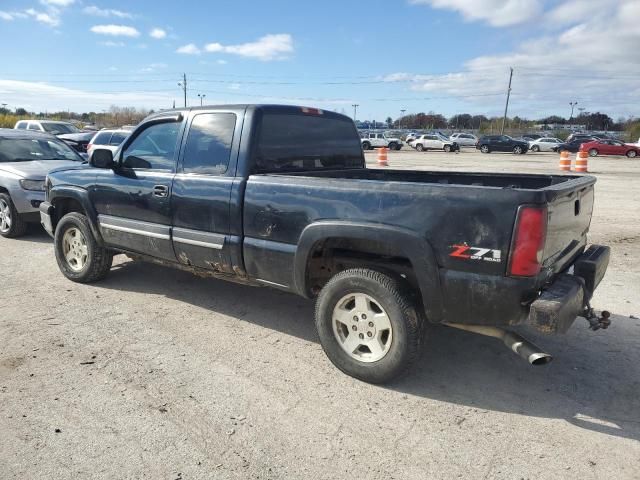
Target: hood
34, 170
76, 137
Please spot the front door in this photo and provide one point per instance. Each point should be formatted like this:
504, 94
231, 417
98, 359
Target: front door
133, 200
202, 191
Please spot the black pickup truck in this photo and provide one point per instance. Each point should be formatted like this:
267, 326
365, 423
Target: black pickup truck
280, 196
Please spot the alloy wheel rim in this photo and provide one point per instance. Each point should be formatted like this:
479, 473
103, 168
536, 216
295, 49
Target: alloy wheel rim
362, 327
74, 248
5, 216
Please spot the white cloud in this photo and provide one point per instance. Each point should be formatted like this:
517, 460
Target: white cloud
6, 16
269, 47
57, 3
152, 67
51, 19
110, 43
115, 30
105, 12
591, 58
157, 33
222, 62
189, 49
498, 13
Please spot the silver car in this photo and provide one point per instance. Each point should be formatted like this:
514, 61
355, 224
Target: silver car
25, 159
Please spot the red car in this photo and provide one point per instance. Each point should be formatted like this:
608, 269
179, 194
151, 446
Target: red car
610, 147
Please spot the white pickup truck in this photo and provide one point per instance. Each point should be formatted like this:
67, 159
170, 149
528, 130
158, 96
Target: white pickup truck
377, 140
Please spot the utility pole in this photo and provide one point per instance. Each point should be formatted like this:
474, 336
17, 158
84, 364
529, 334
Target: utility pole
400, 121
183, 85
355, 111
506, 106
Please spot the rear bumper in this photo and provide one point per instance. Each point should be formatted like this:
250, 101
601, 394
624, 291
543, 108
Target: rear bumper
566, 298
46, 211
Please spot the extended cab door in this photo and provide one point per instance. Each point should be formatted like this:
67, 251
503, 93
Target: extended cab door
133, 199
202, 190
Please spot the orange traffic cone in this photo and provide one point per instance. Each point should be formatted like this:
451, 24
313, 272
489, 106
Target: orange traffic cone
382, 157
582, 160
565, 161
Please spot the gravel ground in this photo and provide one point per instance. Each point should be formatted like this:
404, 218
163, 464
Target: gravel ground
154, 373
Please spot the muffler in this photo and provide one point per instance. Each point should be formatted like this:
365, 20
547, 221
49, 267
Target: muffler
514, 342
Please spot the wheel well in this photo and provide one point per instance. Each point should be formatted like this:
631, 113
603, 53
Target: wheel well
66, 205
3, 190
331, 256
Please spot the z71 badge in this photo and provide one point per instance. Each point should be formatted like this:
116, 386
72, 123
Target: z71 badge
467, 252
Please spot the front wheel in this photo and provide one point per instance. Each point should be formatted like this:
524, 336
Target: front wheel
593, 152
447, 148
517, 150
420, 147
368, 325
11, 224
535, 148
393, 146
485, 149
632, 154
79, 256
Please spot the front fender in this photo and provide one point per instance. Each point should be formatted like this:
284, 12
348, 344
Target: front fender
58, 194
405, 242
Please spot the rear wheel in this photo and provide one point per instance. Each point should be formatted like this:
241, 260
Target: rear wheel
632, 154
517, 150
11, 224
485, 149
368, 325
366, 146
593, 152
79, 256
420, 147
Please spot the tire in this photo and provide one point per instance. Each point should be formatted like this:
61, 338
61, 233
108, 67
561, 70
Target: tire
535, 148
632, 154
447, 148
397, 335
593, 152
11, 223
86, 261
485, 149
420, 147
366, 146
393, 146
517, 150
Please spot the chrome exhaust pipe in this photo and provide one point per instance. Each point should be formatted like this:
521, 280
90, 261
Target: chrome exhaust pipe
514, 342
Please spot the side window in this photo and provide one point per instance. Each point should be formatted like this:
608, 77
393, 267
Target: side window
102, 138
117, 138
208, 146
33, 126
154, 148
21, 126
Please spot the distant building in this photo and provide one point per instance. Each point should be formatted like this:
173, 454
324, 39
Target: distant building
560, 126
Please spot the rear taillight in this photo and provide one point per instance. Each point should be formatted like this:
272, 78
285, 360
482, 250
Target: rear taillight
528, 242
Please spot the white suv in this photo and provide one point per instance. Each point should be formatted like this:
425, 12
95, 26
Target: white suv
53, 127
376, 140
434, 141
107, 139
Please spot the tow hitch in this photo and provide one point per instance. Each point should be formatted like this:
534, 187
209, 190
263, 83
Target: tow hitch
595, 322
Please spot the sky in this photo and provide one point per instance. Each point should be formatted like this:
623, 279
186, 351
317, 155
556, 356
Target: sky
445, 56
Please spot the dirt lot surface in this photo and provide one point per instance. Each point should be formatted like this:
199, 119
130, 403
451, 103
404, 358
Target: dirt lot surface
156, 374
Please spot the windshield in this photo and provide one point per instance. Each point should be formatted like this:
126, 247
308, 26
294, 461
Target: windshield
59, 128
28, 149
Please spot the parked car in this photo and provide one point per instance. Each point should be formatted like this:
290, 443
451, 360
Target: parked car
432, 141
109, 139
585, 137
545, 144
53, 127
25, 159
280, 196
501, 143
464, 139
573, 146
77, 141
411, 137
377, 140
610, 147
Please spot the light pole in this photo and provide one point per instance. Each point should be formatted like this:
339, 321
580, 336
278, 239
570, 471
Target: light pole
401, 115
355, 111
183, 86
201, 97
573, 105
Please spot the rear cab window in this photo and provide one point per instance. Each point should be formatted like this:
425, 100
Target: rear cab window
290, 139
101, 138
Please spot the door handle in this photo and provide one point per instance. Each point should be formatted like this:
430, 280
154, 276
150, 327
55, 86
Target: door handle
160, 190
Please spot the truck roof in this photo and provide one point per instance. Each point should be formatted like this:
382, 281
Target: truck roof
253, 106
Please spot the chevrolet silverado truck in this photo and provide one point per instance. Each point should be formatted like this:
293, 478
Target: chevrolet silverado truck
280, 196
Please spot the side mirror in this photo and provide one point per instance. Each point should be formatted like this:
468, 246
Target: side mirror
102, 158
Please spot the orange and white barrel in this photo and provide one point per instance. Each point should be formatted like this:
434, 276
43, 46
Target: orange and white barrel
382, 157
582, 160
565, 161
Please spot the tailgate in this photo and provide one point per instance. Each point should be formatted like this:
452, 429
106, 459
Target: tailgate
569, 216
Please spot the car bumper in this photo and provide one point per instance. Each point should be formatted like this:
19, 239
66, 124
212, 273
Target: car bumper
46, 212
566, 298
27, 201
